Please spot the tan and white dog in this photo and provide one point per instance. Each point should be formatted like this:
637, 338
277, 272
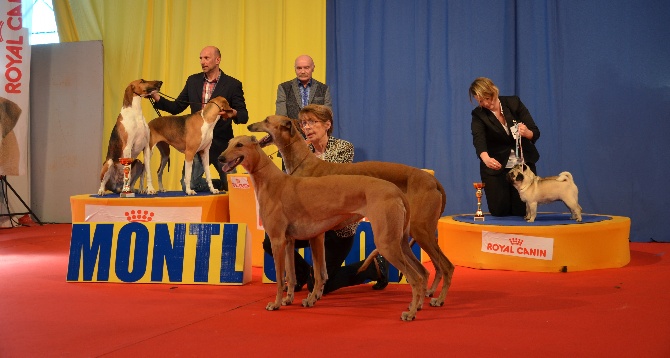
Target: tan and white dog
9, 146
304, 208
130, 135
189, 134
534, 190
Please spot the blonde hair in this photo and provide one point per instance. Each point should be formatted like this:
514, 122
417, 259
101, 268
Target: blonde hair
483, 87
322, 113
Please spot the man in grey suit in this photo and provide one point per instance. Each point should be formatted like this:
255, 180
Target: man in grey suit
295, 94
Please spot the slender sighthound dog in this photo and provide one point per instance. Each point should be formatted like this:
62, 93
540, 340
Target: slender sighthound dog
425, 194
189, 134
129, 138
304, 208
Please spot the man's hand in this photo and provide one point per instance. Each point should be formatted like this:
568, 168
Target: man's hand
229, 113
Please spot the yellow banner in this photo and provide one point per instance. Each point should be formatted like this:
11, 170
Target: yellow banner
175, 253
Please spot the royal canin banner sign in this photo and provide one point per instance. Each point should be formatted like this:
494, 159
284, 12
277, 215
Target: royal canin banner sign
532, 247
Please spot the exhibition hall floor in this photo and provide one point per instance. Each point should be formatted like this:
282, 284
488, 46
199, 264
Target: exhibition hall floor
620, 312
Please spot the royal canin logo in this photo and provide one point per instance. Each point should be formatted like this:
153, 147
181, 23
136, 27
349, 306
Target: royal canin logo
516, 241
141, 216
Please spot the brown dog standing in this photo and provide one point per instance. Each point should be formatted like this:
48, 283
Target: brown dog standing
130, 135
534, 190
303, 208
425, 194
189, 134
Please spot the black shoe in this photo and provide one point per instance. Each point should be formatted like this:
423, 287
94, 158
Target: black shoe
383, 272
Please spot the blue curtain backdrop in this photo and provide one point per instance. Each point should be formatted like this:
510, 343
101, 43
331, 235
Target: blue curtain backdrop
595, 75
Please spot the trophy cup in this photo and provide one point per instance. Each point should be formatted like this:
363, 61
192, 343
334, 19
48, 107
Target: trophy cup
126, 192
479, 215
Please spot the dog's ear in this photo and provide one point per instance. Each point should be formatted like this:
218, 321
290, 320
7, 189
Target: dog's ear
253, 139
225, 105
289, 125
128, 95
9, 115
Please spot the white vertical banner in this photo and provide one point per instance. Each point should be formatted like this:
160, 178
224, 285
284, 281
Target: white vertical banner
14, 89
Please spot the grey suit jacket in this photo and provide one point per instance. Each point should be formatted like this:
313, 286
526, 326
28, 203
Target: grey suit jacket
288, 97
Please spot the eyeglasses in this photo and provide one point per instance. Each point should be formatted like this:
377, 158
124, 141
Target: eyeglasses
309, 123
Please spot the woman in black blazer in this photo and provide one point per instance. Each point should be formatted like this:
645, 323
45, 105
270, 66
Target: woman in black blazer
493, 135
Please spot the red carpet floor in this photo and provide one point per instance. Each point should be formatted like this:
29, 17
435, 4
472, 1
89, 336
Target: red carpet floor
602, 313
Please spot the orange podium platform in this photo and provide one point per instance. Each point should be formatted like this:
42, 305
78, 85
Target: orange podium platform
553, 243
171, 206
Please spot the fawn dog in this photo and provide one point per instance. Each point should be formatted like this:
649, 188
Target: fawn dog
424, 192
304, 208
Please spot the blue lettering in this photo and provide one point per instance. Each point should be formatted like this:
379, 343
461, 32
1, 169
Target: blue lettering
229, 256
164, 251
204, 233
82, 249
140, 253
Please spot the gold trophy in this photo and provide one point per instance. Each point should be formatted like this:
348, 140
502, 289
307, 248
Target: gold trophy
126, 192
479, 215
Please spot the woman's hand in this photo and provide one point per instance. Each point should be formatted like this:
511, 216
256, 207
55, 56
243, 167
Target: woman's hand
490, 162
525, 132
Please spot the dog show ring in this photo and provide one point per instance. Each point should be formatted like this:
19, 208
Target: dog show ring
554, 243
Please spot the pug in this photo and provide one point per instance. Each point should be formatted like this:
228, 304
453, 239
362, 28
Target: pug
534, 190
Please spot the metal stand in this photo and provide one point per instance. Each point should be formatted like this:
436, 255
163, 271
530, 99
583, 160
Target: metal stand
5, 184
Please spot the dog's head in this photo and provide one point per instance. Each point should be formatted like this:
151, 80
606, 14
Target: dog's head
520, 175
9, 116
242, 150
281, 130
221, 105
140, 88
115, 182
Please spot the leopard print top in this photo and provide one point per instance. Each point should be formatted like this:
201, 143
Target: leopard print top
339, 151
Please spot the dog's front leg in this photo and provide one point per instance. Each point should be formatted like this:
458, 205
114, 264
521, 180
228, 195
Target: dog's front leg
320, 273
109, 166
147, 171
188, 167
204, 155
278, 252
290, 273
531, 212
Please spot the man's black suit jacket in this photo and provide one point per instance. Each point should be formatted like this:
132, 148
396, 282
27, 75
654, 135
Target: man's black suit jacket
227, 87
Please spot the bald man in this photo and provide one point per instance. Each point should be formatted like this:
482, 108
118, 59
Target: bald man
295, 94
198, 90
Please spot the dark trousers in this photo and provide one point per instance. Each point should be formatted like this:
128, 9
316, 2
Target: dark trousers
337, 248
501, 196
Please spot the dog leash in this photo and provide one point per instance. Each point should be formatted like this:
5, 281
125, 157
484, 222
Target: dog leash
153, 103
299, 164
278, 149
518, 148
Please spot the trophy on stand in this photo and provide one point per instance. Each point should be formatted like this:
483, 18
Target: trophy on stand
479, 215
126, 192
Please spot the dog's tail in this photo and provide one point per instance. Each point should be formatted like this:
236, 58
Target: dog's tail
565, 176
